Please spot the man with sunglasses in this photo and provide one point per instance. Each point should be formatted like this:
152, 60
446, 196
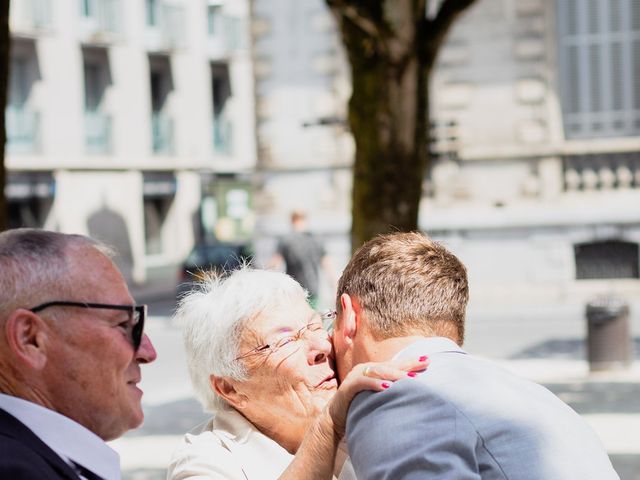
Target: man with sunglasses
71, 345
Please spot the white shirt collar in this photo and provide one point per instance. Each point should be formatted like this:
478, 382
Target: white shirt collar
427, 346
70, 440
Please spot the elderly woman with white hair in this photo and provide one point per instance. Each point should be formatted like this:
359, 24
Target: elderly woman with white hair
260, 362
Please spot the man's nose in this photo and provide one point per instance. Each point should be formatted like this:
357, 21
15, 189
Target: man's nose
146, 352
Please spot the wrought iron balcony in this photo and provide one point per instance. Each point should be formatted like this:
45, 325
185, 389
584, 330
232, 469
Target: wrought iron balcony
165, 27
100, 20
97, 128
161, 134
222, 136
23, 128
30, 16
226, 35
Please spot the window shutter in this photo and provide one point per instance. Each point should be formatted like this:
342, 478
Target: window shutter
599, 54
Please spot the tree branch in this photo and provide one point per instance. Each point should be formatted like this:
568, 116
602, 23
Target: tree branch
432, 32
346, 9
447, 14
364, 18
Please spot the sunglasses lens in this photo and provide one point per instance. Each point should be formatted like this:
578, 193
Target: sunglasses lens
138, 328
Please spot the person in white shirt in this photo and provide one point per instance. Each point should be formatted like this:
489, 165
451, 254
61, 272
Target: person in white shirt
71, 345
261, 362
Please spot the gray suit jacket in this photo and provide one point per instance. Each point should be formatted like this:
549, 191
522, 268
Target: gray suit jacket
467, 418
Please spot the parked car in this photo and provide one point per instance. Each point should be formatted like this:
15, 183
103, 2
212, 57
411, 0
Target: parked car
205, 257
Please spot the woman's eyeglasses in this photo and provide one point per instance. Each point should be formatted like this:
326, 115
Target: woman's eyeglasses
313, 326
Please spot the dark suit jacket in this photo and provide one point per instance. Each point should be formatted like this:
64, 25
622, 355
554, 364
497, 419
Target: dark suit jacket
23, 456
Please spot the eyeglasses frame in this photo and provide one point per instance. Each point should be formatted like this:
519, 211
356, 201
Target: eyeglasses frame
328, 315
137, 330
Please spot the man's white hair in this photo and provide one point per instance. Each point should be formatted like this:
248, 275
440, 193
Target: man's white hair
213, 317
35, 266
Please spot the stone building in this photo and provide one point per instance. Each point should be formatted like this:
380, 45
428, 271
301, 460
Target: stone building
132, 121
536, 128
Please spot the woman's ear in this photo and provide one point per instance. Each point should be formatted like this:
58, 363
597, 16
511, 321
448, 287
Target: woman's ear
226, 388
26, 335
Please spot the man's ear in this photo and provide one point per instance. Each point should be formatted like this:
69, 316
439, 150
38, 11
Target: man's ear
26, 335
350, 319
226, 388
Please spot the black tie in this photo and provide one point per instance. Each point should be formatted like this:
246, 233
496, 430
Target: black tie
86, 473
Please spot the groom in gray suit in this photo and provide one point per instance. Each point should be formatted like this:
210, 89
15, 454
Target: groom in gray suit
403, 295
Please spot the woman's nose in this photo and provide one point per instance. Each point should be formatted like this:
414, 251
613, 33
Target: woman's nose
319, 347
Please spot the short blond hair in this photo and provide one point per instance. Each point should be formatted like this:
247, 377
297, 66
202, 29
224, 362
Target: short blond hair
407, 284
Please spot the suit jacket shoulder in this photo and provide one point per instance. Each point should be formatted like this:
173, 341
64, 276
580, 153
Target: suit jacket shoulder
467, 418
24, 456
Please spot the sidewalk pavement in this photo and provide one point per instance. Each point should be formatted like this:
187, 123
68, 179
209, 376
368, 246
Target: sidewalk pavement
609, 402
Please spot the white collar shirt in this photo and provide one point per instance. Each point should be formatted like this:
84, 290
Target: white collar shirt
70, 440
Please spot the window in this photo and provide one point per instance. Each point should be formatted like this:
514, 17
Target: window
87, 8
160, 86
29, 198
22, 122
214, 20
97, 79
155, 214
221, 94
599, 65
152, 12
159, 192
609, 259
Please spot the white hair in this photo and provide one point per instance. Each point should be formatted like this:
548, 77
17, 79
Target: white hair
35, 266
213, 317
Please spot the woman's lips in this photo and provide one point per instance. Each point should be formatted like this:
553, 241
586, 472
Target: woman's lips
328, 382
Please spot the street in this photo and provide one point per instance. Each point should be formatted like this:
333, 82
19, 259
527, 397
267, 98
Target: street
542, 343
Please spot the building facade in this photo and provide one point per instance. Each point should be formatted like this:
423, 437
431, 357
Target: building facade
535, 104
132, 121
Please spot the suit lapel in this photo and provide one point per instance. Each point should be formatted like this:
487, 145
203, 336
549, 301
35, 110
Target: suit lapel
12, 427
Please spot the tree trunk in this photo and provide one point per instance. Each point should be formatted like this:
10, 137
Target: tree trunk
392, 47
388, 119
4, 79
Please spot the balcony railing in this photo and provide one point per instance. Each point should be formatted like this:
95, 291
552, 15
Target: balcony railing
23, 127
97, 128
227, 35
100, 20
29, 16
168, 29
612, 171
222, 136
161, 134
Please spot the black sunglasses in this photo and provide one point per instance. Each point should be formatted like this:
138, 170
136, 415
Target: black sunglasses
137, 315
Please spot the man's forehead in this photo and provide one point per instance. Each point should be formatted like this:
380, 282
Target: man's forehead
92, 269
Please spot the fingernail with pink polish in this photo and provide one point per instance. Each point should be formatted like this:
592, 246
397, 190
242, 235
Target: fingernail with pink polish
411, 374
423, 358
385, 385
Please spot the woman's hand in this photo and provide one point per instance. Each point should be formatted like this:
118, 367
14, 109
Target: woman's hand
376, 376
316, 456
